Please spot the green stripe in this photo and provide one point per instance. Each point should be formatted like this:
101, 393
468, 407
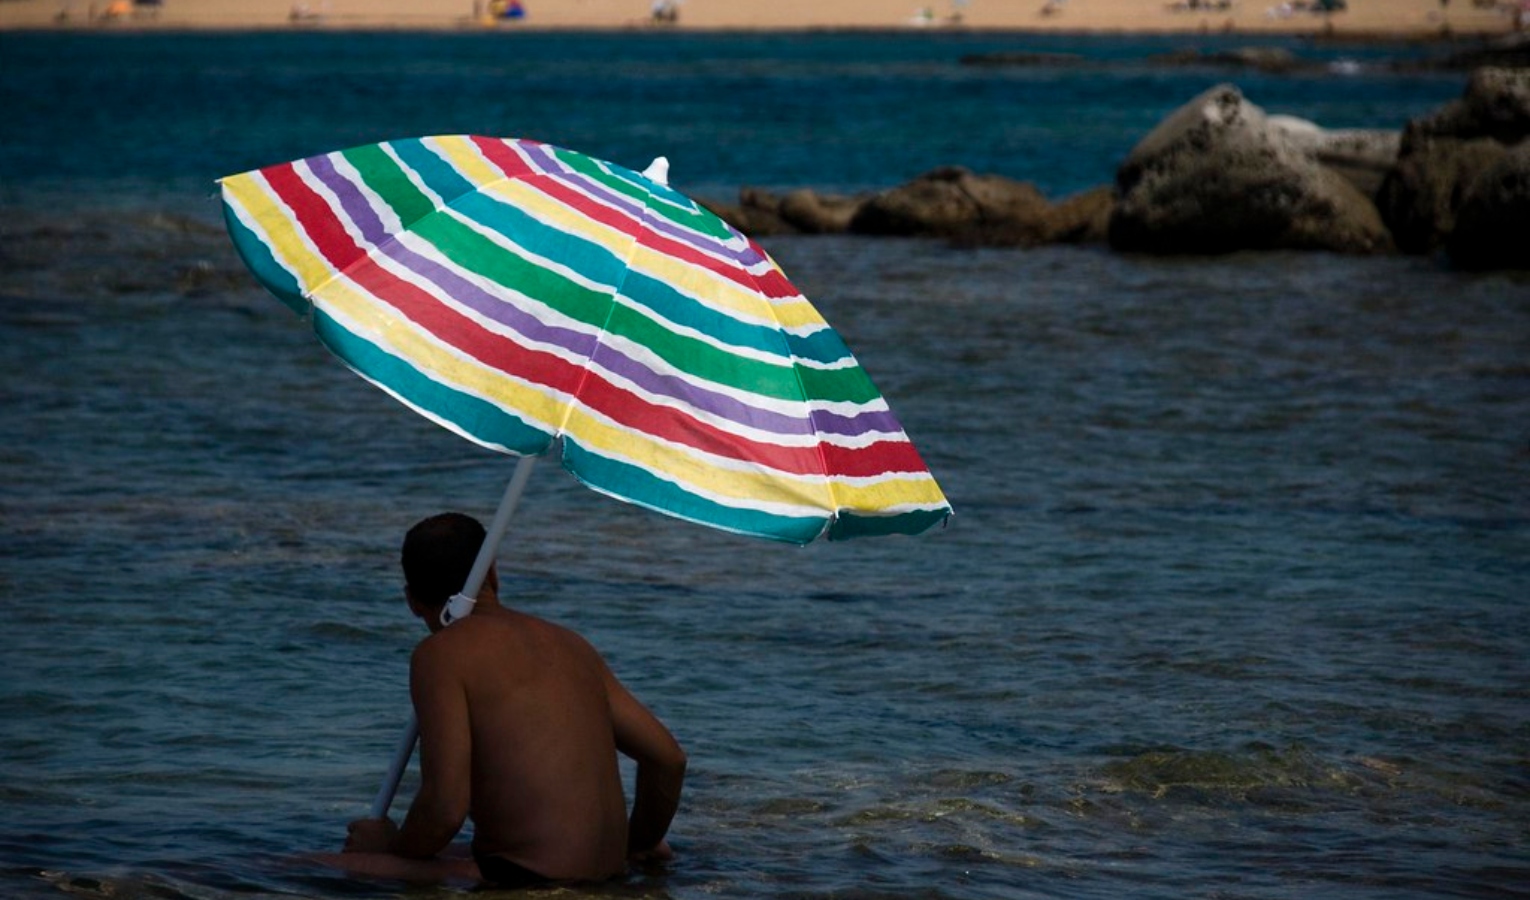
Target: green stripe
680, 209
475, 253
669, 303
638, 486
851, 385
391, 184
485, 422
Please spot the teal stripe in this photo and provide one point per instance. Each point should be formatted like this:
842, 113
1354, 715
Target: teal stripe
486, 423
637, 486
824, 346
257, 255
705, 362
671, 304
701, 360
438, 175
476, 253
850, 525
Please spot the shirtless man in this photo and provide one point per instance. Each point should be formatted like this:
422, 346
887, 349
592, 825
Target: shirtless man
520, 723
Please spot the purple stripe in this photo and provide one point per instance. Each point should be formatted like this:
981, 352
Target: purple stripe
543, 159
825, 422
449, 283
734, 410
660, 384
355, 204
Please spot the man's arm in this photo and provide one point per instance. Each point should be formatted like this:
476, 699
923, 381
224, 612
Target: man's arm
442, 803
660, 768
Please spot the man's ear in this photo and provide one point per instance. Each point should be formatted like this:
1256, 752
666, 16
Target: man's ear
491, 581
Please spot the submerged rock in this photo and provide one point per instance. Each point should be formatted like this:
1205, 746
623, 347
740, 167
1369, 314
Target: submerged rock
1215, 177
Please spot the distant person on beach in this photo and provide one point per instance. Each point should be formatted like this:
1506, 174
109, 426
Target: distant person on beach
520, 725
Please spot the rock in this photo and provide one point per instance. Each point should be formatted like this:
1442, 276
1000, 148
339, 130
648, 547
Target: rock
757, 214
1003, 58
1419, 197
815, 213
1492, 226
1362, 155
1510, 51
1083, 218
1495, 104
1445, 152
953, 202
1216, 177
1276, 60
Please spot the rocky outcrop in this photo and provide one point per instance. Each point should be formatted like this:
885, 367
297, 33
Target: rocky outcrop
1219, 175
952, 202
1216, 177
1083, 218
1273, 60
814, 213
1492, 226
1495, 104
1469, 149
1420, 196
1364, 156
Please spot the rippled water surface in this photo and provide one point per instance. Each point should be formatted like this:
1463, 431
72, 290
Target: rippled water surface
1232, 606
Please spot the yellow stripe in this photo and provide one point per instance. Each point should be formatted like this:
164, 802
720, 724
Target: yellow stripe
375, 321
464, 156
742, 487
372, 320
792, 312
285, 240
718, 291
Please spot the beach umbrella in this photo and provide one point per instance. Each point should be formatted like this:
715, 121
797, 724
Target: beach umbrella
526, 296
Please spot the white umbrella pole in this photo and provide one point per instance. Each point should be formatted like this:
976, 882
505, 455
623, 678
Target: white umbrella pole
453, 612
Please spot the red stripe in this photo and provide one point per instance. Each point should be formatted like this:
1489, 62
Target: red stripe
506, 160
633, 412
772, 284
314, 216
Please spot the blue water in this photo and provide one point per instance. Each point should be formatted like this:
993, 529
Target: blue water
1233, 604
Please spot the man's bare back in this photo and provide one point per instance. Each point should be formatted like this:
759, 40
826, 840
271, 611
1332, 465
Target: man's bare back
545, 789
520, 723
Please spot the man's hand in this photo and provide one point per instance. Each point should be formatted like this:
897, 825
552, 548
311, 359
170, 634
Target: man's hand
370, 836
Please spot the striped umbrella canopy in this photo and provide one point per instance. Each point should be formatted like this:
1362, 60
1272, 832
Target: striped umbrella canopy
518, 293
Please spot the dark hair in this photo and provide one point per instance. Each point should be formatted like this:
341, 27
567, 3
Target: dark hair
438, 555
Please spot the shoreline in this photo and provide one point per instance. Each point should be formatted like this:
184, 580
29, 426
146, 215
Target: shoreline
1401, 20
1338, 36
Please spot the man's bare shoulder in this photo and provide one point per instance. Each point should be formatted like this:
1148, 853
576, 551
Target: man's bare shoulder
495, 629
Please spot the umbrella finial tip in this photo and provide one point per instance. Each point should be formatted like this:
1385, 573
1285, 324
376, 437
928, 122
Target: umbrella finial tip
658, 170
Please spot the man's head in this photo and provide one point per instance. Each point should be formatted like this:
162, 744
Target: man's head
438, 555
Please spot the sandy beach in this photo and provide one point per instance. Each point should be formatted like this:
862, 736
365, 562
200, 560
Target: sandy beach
1362, 17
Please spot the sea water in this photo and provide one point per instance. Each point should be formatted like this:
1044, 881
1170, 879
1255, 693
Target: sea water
1233, 604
